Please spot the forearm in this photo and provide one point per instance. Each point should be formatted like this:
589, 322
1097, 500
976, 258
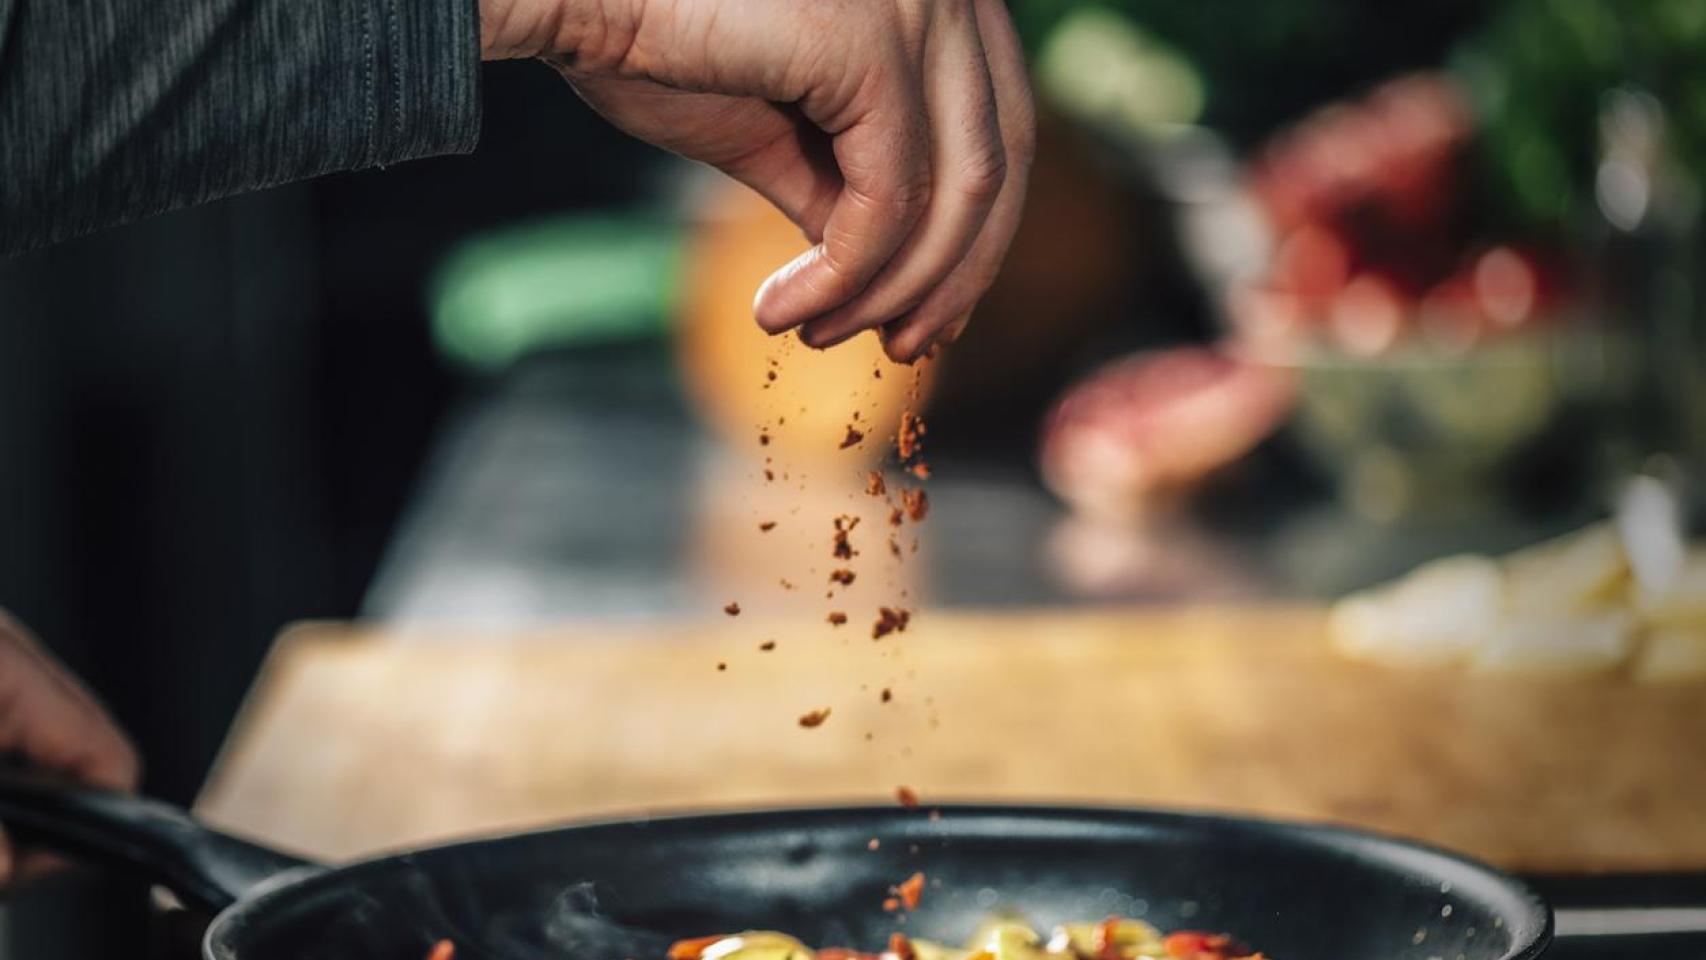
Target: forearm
112, 110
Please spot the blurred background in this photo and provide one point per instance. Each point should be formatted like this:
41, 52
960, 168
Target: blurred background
1307, 293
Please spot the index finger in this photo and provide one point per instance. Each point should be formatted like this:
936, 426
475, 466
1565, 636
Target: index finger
885, 169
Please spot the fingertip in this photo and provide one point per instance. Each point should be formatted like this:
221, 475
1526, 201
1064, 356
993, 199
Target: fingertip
904, 346
955, 330
764, 307
823, 333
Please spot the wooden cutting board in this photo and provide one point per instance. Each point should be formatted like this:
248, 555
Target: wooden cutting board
356, 739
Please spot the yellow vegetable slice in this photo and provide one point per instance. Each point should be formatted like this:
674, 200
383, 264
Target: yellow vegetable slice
758, 945
1558, 646
1439, 614
1580, 571
1683, 602
1672, 654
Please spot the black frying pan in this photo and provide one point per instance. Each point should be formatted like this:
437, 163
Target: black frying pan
1297, 892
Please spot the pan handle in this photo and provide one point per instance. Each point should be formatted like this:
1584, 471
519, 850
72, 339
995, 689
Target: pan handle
204, 867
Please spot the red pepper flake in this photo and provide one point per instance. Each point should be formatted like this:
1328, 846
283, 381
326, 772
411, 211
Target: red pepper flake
767, 526
917, 504
891, 904
836, 618
852, 439
1104, 941
814, 718
767, 646
442, 950
921, 470
692, 949
900, 948
731, 608
897, 516
889, 620
911, 436
873, 844
841, 548
910, 891
887, 694
874, 484
906, 797
843, 577
1198, 945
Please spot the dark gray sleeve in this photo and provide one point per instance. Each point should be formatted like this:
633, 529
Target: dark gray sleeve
112, 110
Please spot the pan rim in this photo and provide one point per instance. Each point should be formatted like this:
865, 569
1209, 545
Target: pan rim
1530, 924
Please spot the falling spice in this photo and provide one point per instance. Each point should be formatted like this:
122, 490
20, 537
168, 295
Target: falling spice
873, 844
770, 375
767, 646
921, 470
910, 439
874, 484
877, 373
910, 891
764, 439
905, 796
814, 718
836, 618
841, 548
916, 502
887, 694
843, 577
769, 475
786, 583
852, 439
731, 608
900, 948
896, 517
767, 526
722, 665
889, 620
442, 950
891, 904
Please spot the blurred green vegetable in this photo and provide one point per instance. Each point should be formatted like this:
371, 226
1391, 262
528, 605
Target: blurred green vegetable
569, 280
1540, 74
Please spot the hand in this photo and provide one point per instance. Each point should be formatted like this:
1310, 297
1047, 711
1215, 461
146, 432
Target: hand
897, 134
51, 721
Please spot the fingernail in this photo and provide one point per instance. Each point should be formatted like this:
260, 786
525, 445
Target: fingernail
955, 330
760, 305
768, 307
